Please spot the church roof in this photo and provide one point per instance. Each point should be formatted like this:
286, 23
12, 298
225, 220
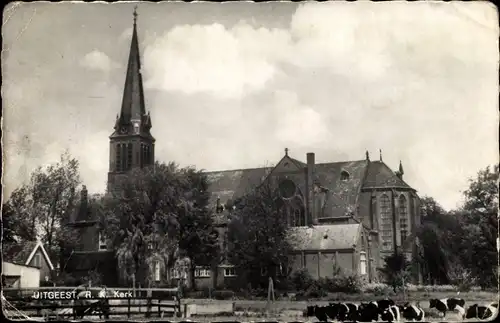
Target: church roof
381, 176
340, 194
325, 237
231, 184
133, 103
133, 95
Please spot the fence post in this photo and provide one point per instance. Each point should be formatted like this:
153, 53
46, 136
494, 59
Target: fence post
128, 308
148, 303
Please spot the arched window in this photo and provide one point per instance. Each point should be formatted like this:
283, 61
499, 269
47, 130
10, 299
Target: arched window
146, 154
129, 156
118, 158
362, 263
403, 217
344, 176
295, 211
143, 155
385, 226
124, 157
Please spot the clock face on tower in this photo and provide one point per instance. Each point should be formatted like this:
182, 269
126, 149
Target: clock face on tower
123, 129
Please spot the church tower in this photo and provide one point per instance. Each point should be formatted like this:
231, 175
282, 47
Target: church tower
131, 143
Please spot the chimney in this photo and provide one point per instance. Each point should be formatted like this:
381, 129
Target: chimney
310, 187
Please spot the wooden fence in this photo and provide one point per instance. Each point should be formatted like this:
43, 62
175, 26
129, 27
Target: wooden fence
22, 303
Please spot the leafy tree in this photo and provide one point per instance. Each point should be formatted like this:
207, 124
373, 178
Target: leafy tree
158, 212
436, 241
198, 239
139, 216
38, 208
480, 221
258, 234
396, 270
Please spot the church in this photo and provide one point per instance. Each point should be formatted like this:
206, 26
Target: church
346, 214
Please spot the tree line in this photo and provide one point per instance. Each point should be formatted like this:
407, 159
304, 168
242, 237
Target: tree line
163, 213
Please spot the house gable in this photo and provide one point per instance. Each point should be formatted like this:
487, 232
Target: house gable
40, 250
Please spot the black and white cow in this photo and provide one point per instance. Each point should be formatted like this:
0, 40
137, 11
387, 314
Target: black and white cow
318, 311
412, 312
384, 304
391, 314
368, 312
448, 304
481, 312
332, 311
343, 311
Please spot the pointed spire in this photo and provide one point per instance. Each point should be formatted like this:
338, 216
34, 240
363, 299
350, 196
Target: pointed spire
380, 151
286, 151
135, 15
401, 171
367, 155
133, 106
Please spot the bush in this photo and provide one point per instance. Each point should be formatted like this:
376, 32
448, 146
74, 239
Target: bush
376, 288
349, 284
223, 294
301, 280
315, 291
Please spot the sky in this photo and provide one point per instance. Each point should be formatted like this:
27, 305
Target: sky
230, 85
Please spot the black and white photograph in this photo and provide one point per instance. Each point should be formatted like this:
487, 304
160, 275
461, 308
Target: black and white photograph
250, 161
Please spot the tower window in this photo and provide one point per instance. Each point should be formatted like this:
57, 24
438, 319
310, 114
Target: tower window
129, 156
403, 218
142, 155
344, 176
118, 159
124, 157
386, 223
146, 155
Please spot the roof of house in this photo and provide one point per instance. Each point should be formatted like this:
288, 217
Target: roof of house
23, 253
325, 237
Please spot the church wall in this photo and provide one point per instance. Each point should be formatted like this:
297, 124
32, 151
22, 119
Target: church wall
321, 264
364, 209
312, 264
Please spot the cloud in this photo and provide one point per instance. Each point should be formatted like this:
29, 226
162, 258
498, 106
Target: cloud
367, 41
228, 63
97, 60
297, 124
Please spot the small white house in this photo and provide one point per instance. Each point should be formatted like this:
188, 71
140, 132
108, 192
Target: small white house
20, 276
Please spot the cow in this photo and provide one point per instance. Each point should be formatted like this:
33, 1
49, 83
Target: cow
346, 311
481, 312
412, 312
384, 304
332, 310
318, 311
448, 304
368, 312
391, 314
